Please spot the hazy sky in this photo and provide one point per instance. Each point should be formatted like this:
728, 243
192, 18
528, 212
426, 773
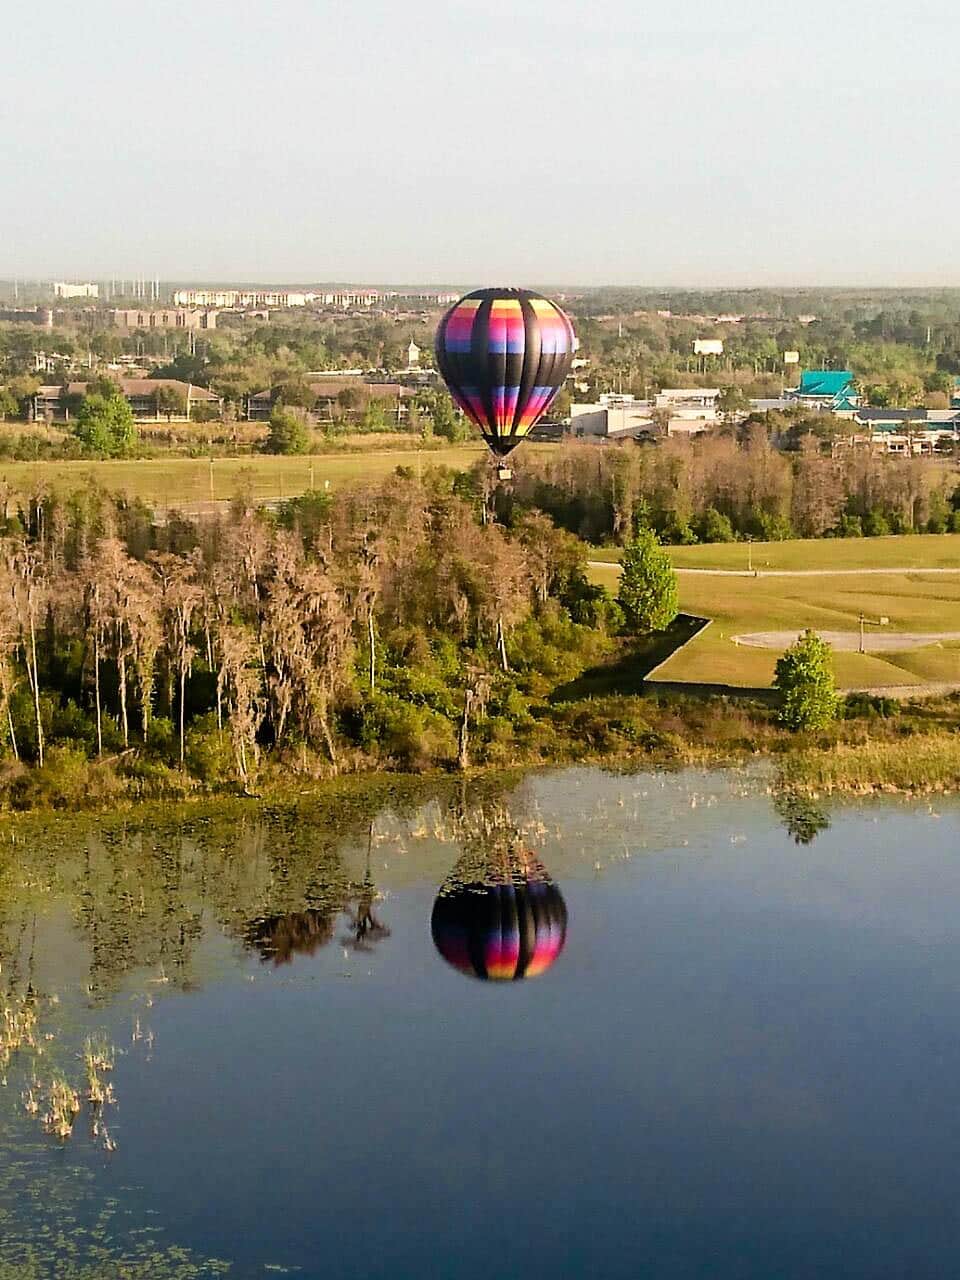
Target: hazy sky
480, 141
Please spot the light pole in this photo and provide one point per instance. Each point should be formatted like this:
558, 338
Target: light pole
882, 621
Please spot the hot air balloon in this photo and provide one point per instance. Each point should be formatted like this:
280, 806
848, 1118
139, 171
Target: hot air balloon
504, 354
502, 928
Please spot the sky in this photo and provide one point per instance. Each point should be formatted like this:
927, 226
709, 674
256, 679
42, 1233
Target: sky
471, 142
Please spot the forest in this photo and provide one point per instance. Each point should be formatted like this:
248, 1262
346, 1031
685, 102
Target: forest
389, 627
735, 485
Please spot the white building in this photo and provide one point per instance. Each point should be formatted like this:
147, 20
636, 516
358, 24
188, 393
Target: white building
691, 403
241, 298
345, 299
63, 289
612, 417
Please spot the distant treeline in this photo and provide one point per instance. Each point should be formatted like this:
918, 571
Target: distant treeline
719, 488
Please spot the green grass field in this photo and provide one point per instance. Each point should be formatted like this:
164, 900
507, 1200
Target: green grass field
908, 551
742, 605
169, 482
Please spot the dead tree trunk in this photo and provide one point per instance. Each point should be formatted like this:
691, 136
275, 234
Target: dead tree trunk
372, 639
502, 644
96, 686
463, 753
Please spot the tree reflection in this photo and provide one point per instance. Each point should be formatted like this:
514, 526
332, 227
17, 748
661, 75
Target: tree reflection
802, 817
278, 939
365, 929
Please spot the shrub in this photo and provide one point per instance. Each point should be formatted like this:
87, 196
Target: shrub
288, 433
875, 524
413, 737
850, 527
867, 706
162, 739
68, 780
716, 527
209, 752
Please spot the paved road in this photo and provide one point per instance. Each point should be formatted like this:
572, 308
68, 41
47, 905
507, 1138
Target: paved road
849, 641
904, 692
780, 573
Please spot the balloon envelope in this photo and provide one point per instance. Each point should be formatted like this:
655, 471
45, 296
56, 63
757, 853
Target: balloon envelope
504, 354
501, 931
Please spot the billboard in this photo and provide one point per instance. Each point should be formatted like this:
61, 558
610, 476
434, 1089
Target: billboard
708, 347
791, 357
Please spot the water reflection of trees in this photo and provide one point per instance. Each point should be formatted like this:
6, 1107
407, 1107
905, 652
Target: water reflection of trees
142, 892
279, 938
802, 817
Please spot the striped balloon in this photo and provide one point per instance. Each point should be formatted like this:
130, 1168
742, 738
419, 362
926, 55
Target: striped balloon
504, 354
501, 932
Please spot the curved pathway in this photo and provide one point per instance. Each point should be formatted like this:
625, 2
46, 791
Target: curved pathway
849, 641
779, 573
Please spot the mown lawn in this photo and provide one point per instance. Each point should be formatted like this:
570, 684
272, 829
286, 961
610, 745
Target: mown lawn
169, 482
743, 605
907, 551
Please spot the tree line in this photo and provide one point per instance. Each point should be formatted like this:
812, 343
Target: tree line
393, 626
719, 488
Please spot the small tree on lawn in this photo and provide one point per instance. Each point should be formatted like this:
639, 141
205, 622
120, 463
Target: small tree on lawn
105, 423
648, 585
804, 680
288, 432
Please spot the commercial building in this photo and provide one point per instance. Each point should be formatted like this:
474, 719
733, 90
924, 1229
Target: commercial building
63, 289
613, 418
144, 395
164, 318
907, 432
692, 403
832, 389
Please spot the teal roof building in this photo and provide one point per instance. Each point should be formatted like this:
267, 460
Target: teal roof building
833, 388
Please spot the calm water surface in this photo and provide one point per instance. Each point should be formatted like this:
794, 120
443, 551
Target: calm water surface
741, 1058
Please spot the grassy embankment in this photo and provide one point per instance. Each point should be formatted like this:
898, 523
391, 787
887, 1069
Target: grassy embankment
743, 605
915, 750
921, 763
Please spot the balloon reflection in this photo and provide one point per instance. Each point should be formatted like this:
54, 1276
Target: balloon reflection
500, 917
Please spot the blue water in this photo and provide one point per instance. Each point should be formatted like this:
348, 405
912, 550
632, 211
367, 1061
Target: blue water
744, 1064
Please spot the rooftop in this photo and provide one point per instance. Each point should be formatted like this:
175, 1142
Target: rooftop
825, 382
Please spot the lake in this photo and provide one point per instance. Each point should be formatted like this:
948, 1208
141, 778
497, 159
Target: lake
577, 1023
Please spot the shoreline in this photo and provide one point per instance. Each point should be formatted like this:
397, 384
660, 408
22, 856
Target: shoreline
929, 765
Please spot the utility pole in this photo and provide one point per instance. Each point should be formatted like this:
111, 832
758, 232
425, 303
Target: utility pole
882, 621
